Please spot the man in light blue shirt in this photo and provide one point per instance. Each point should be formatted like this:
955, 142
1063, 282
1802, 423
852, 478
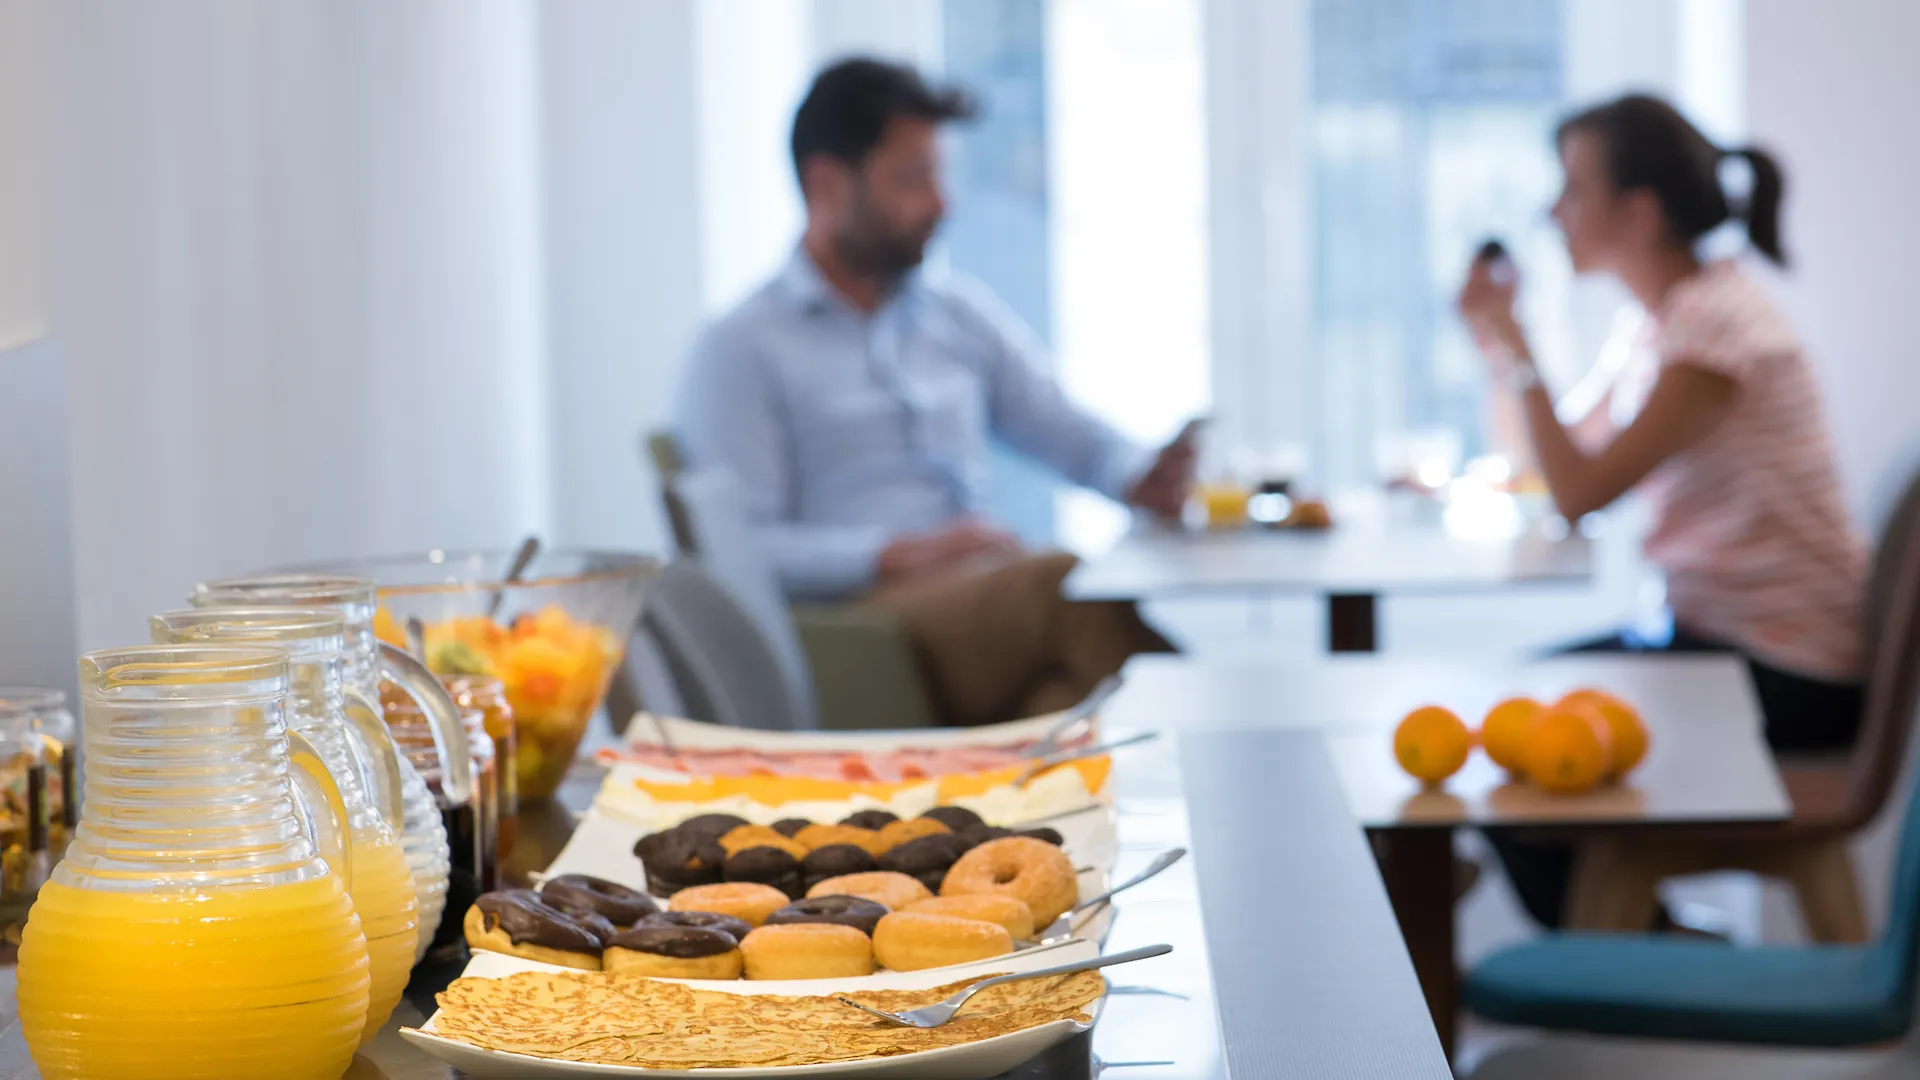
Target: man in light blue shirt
854, 397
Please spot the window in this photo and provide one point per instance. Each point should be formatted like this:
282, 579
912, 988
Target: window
1079, 197
1430, 125
1261, 209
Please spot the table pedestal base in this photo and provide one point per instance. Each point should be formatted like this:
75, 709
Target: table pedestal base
1351, 622
1417, 868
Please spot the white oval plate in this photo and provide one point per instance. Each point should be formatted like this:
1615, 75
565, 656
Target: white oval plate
972, 1061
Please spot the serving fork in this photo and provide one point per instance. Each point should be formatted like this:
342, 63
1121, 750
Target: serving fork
932, 1016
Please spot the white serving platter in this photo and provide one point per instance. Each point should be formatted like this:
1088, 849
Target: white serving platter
693, 734
972, 1061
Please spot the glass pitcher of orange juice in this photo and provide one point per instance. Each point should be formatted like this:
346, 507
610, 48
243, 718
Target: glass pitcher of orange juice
423, 831
197, 928
364, 761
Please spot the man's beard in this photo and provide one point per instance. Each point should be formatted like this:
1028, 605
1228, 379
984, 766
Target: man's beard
869, 249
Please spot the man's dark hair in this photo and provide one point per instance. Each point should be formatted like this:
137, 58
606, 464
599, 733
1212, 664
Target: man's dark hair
847, 109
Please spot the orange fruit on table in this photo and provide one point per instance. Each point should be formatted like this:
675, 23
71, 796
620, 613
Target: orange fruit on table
1566, 750
1431, 744
1628, 732
1503, 733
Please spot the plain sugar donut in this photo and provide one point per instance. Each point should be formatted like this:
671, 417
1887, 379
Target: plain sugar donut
744, 900
885, 887
987, 907
1031, 871
909, 941
807, 951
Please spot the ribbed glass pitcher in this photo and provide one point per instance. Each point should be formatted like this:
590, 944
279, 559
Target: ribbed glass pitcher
423, 832
364, 761
196, 929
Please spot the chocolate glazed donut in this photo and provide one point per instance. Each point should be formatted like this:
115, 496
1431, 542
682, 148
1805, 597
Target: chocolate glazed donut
926, 859
676, 860
861, 914
767, 866
834, 860
601, 926
870, 819
615, 902
957, 818
528, 920
790, 827
679, 942
703, 920
713, 825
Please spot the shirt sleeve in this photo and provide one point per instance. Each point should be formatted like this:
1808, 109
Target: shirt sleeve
1028, 411
730, 417
1723, 323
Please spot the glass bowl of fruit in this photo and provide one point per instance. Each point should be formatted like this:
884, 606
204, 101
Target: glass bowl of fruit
553, 636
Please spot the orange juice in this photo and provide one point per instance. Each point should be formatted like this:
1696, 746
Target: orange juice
383, 895
267, 982
1225, 504
381, 884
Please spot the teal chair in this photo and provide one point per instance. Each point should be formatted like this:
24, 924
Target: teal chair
1675, 988
1827, 995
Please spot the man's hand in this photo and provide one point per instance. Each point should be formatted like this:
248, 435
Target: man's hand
1163, 489
921, 553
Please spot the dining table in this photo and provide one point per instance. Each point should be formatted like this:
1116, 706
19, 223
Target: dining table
1466, 541
1707, 762
1272, 974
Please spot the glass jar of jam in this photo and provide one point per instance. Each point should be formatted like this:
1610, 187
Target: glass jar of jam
471, 828
27, 811
489, 696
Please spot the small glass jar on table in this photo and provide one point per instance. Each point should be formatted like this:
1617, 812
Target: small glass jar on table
29, 774
488, 697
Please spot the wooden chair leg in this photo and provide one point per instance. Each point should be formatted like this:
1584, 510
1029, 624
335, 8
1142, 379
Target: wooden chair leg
1824, 881
1613, 889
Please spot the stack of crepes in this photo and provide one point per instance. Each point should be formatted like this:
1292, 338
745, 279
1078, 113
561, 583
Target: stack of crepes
651, 1024
663, 801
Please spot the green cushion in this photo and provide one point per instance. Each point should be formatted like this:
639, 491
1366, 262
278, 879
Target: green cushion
1615, 984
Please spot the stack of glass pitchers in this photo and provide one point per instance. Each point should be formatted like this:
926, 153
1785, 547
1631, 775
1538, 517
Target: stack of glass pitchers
368, 661
257, 865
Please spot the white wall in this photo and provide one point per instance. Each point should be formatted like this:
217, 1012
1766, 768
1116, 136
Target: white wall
1832, 88
36, 557
21, 306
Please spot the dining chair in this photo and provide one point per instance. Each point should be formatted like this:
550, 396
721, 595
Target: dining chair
643, 682
722, 666
853, 667
1617, 877
1673, 987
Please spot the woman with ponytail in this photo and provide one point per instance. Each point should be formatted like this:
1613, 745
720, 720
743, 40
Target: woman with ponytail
1725, 439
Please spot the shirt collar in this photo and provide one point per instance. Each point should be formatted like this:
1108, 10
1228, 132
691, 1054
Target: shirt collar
813, 294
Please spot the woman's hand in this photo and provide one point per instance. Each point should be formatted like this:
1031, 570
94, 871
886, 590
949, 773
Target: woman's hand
1486, 306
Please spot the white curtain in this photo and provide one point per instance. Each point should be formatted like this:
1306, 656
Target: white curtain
293, 254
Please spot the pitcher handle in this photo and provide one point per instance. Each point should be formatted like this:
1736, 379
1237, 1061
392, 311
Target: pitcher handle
366, 717
443, 719
318, 797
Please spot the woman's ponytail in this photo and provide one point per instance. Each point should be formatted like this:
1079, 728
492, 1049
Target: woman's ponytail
1762, 210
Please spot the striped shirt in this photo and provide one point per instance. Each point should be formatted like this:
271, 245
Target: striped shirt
1750, 525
